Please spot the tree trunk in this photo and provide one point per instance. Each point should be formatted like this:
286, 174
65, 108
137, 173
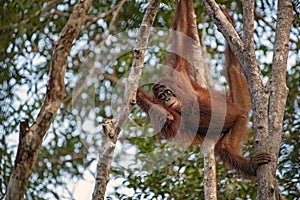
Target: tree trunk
268, 112
112, 128
30, 137
210, 178
278, 94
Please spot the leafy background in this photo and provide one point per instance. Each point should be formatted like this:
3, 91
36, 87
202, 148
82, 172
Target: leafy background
68, 155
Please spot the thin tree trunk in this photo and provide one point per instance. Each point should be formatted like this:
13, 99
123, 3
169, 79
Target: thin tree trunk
112, 127
186, 23
30, 137
258, 93
210, 177
278, 94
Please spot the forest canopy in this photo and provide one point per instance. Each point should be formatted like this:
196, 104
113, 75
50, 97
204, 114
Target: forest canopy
96, 69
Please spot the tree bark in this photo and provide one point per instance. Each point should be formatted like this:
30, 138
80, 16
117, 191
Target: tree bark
278, 94
112, 128
258, 93
225, 27
268, 109
30, 137
210, 177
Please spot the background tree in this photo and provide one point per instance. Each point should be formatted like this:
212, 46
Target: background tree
31, 136
29, 31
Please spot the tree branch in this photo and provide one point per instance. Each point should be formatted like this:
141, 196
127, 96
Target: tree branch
112, 128
108, 13
262, 18
63, 159
264, 127
210, 177
278, 94
94, 71
30, 138
225, 27
258, 94
27, 19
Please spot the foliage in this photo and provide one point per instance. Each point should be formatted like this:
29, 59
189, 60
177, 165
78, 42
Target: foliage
29, 30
